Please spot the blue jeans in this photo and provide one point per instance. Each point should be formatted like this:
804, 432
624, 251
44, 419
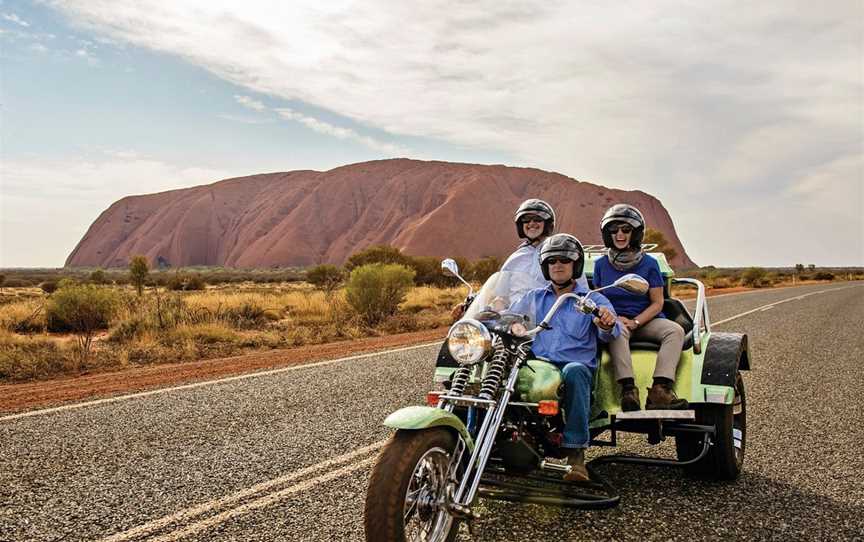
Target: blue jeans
578, 380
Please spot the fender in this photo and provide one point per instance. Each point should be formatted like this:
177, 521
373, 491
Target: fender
423, 417
726, 354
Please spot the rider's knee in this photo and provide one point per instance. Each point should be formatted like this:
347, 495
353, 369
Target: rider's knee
576, 372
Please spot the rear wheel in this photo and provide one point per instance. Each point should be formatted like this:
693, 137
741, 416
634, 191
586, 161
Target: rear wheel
725, 458
406, 495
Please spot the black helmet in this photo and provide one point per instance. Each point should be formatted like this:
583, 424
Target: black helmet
623, 212
562, 245
535, 207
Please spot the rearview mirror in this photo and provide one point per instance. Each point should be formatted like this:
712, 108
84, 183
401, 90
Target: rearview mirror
633, 283
450, 268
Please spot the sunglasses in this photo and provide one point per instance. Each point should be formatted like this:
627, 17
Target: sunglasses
553, 261
527, 219
623, 229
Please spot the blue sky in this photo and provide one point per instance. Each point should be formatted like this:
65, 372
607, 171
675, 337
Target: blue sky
749, 128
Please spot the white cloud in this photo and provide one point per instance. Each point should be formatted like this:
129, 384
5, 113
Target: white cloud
339, 132
80, 189
15, 19
687, 101
251, 103
245, 120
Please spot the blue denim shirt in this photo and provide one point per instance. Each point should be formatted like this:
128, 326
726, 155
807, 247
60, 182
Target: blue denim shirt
573, 336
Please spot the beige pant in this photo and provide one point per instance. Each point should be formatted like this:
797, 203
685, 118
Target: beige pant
659, 330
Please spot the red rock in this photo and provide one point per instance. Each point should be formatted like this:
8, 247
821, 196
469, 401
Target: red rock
304, 218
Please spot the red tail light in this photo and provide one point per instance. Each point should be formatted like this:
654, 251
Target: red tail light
432, 398
547, 408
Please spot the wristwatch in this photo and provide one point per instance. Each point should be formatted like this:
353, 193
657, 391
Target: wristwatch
637, 322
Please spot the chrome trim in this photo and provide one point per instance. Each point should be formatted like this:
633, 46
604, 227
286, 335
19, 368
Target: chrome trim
468, 400
700, 314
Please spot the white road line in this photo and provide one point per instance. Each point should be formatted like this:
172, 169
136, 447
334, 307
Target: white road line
221, 502
118, 398
770, 305
263, 502
268, 500
204, 383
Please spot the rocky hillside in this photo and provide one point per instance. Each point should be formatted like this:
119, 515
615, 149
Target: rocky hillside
304, 218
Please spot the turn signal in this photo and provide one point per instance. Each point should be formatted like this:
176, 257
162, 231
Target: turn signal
432, 398
547, 408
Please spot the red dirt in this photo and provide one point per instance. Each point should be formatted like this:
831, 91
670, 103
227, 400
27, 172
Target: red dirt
31, 395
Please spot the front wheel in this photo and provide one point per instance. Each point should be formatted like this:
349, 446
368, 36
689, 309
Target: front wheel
725, 458
407, 490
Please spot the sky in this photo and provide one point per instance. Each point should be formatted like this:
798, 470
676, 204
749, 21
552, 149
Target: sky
747, 123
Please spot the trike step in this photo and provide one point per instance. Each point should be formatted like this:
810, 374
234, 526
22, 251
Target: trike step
656, 415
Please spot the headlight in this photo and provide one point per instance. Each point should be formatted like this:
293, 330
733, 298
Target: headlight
468, 341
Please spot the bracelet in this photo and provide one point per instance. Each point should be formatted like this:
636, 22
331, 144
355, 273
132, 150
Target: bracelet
637, 322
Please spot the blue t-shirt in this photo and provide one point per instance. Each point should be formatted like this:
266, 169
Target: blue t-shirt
626, 303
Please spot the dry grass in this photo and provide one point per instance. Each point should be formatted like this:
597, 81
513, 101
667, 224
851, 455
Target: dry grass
164, 326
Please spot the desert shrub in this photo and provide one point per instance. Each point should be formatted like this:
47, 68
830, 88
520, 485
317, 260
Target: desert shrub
824, 275
139, 269
325, 277
246, 315
375, 291
384, 254
49, 286
755, 277
484, 268
82, 309
24, 316
98, 277
26, 358
128, 330
721, 282
656, 236
184, 282
17, 283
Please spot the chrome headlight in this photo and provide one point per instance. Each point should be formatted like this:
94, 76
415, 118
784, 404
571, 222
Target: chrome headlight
468, 341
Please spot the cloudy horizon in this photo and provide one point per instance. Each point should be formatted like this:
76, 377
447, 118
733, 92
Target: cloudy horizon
747, 124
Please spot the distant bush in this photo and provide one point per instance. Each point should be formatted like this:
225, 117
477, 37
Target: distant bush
49, 286
139, 269
823, 275
246, 315
98, 277
384, 254
325, 277
82, 309
17, 283
186, 282
484, 268
755, 277
375, 291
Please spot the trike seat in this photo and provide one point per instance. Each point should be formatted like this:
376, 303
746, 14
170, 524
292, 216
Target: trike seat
677, 312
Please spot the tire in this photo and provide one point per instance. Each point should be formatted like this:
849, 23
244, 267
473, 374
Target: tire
410, 456
725, 458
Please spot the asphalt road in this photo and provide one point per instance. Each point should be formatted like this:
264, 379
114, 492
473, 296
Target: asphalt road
286, 456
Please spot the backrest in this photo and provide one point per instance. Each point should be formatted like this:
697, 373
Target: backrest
675, 310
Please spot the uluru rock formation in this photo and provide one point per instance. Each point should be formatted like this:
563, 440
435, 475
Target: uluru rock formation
305, 218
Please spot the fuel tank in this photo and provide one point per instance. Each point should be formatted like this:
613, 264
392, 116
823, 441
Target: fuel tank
539, 381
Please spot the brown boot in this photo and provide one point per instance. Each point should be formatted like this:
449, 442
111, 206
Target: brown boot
630, 399
578, 472
661, 397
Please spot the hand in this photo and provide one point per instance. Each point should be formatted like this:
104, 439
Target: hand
606, 320
457, 311
628, 323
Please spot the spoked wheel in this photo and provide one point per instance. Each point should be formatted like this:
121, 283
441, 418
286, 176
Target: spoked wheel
407, 491
725, 458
